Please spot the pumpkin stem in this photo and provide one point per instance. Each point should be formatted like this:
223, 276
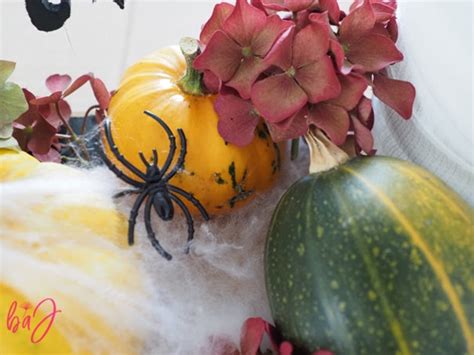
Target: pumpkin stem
191, 82
325, 155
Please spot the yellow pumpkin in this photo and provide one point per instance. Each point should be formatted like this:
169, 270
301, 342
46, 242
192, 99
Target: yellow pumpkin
68, 246
220, 175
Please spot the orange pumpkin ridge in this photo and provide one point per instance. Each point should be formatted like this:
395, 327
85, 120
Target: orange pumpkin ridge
220, 175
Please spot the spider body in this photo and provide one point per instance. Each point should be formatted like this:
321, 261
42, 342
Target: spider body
153, 187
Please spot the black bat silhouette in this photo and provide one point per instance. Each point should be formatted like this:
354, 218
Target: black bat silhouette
47, 16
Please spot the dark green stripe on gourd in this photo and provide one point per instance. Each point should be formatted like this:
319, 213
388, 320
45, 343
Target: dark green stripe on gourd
373, 257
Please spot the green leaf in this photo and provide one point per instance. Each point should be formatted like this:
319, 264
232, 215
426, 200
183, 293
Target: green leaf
6, 131
9, 143
12, 103
6, 69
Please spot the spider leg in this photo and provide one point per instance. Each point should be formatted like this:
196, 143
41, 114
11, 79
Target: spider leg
192, 199
155, 157
171, 138
118, 172
145, 162
182, 155
118, 155
189, 220
151, 234
132, 220
126, 192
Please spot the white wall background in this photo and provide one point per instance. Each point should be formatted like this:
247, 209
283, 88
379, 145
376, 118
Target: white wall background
98, 38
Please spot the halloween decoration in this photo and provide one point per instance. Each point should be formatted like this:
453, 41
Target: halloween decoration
222, 176
155, 191
47, 16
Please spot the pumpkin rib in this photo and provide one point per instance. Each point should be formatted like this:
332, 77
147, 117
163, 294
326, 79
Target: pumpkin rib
373, 273
436, 265
434, 187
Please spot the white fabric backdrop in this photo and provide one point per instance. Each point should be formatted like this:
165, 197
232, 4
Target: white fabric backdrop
436, 38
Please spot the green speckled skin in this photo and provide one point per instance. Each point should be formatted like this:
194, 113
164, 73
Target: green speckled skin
373, 257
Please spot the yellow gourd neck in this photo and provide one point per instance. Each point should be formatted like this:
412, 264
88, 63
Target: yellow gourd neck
324, 154
191, 82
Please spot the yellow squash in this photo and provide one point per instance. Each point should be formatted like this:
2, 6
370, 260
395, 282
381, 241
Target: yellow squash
68, 246
222, 176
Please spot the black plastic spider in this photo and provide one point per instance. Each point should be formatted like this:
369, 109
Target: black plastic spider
154, 189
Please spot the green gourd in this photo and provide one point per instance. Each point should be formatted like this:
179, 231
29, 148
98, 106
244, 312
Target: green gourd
372, 255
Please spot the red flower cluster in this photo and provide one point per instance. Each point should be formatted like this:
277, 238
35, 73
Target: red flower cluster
310, 65
37, 129
253, 331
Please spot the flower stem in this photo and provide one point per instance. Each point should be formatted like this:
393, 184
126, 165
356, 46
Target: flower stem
295, 148
74, 137
324, 154
84, 121
191, 82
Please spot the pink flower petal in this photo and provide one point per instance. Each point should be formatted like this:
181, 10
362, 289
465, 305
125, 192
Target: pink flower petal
365, 112
222, 56
77, 84
45, 110
392, 28
383, 12
298, 5
266, 37
220, 13
46, 100
374, 52
51, 114
319, 80
358, 23
287, 5
323, 352
353, 87
211, 82
58, 82
244, 23
323, 19
363, 136
42, 137
317, 35
380, 29
276, 5
338, 53
332, 7
259, 5
286, 348
52, 156
237, 119
251, 336
278, 97
300, 19
249, 70
281, 55
291, 128
399, 95
101, 93
332, 119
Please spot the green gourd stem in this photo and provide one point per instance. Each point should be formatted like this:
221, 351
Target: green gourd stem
324, 154
191, 82
295, 148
